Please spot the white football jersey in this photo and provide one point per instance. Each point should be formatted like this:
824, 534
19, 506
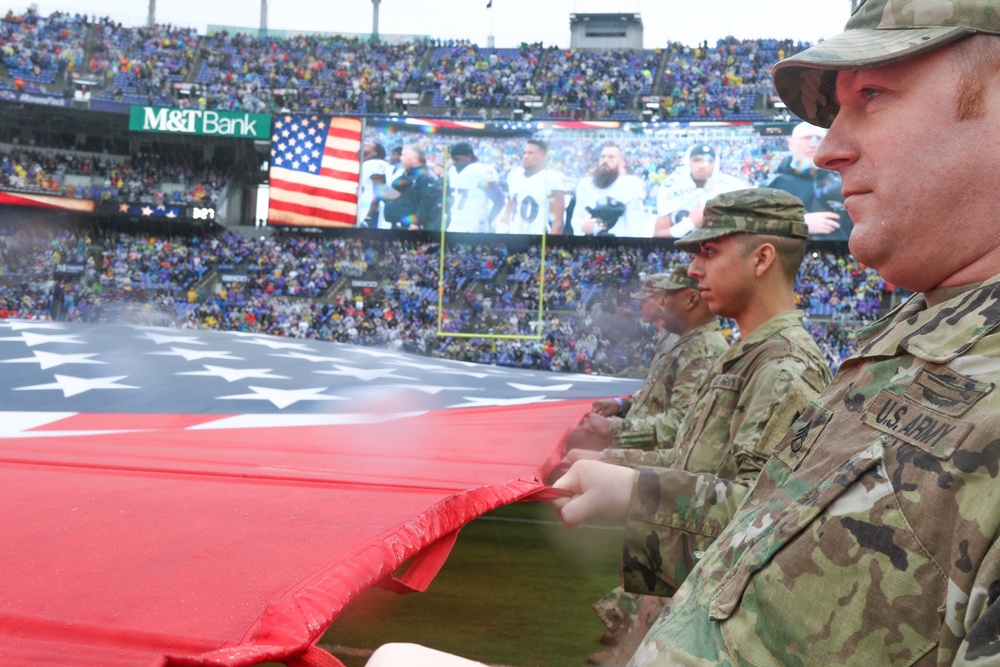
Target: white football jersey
371, 168
470, 205
627, 189
531, 196
679, 196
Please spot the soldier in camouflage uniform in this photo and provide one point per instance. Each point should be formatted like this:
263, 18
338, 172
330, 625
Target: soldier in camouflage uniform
656, 410
756, 388
651, 397
652, 414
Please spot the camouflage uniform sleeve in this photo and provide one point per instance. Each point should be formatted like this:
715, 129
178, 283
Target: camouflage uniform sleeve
658, 430
674, 513
774, 397
979, 647
634, 458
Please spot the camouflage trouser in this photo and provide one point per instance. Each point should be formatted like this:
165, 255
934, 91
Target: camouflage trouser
617, 608
630, 616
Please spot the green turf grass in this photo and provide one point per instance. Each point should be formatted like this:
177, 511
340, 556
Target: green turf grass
516, 591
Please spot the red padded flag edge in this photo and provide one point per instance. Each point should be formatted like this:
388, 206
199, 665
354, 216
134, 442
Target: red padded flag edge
189, 543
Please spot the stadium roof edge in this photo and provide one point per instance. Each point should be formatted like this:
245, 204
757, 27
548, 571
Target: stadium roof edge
284, 34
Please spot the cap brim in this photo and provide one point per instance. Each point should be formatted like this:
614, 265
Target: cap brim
806, 82
689, 243
641, 295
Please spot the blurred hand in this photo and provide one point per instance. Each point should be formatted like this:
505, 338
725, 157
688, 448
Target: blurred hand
600, 491
595, 424
574, 455
606, 407
389, 194
822, 222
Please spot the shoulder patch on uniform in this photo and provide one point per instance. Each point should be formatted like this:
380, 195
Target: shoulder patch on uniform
801, 435
947, 391
730, 382
916, 423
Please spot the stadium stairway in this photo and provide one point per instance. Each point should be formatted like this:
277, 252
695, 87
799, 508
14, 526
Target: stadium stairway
328, 295
426, 95
208, 283
658, 75
196, 63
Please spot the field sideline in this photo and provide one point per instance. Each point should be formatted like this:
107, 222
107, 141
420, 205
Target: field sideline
516, 591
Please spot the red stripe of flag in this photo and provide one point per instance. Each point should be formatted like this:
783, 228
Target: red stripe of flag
339, 175
314, 212
341, 133
343, 155
289, 186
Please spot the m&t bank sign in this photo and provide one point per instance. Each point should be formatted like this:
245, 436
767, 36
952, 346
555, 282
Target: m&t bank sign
200, 121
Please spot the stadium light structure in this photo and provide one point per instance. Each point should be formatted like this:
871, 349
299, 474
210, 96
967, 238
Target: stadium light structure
151, 19
263, 16
375, 5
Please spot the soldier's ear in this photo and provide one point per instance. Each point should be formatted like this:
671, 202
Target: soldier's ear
764, 257
693, 297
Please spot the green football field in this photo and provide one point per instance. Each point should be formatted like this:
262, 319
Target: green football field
516, 591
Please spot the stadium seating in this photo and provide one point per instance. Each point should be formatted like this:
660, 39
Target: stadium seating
174, 66
140, 179
301, 287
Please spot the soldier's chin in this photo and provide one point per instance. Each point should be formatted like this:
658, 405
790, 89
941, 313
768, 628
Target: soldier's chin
866, 246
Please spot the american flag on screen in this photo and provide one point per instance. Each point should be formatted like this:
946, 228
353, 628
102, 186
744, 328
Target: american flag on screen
314, 171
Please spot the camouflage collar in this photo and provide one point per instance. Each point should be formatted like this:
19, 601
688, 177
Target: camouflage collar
701, 330
937, 334
789, 318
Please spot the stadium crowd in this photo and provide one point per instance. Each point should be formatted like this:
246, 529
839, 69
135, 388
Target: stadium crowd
142, 64
145, 179
175, 66
465, 75
385, 292
598, 80
35, 50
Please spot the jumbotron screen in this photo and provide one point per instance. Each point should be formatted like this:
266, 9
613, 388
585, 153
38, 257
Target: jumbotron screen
558, 178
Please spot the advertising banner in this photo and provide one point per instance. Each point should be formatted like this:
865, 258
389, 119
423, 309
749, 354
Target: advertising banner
42, 99
46, 201
202, 122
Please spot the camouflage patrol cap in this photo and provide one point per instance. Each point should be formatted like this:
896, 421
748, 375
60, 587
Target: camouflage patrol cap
879, 32
678, 278
755, 211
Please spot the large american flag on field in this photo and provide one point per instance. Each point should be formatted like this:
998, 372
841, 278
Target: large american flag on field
51, 367
315, 164
207, 498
